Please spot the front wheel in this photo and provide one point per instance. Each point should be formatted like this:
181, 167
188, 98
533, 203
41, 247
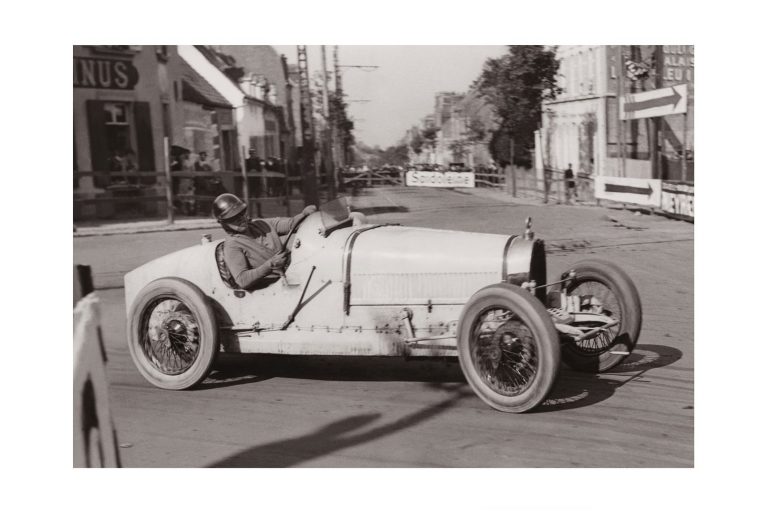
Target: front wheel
508, 348
600, 287
172, 334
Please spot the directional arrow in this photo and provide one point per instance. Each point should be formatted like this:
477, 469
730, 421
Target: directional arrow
625, 189
663, 101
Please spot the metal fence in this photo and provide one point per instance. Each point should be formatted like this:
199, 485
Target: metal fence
155, 195
523, 182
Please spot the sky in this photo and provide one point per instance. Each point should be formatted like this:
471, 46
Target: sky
402, 89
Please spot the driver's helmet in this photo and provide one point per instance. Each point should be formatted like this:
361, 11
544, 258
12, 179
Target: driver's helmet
227, 206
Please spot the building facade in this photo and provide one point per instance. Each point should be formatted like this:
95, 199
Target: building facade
582, 126
458, 131
125, 101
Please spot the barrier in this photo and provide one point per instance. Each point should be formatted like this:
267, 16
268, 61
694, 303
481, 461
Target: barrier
440, 179
95, 438
677, 199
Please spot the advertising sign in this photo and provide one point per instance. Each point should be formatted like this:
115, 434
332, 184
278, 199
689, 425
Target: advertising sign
677, 198
646, 192
659, 102
440, 179
678, 64
90, 73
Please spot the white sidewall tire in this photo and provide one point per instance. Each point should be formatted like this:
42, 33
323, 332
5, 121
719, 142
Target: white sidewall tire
197, 303
537, 320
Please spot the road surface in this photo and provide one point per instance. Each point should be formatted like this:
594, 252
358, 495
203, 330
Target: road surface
288, 411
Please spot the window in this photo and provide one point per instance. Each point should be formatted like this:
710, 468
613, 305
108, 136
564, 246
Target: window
117, 128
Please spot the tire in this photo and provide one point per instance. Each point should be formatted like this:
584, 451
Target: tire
512, 366
172, 334
616, 346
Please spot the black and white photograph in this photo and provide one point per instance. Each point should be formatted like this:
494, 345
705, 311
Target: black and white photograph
414, 261
265, 224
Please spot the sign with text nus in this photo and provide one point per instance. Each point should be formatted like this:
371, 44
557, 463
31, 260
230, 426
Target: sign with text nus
440, 179
90, 73
646, 192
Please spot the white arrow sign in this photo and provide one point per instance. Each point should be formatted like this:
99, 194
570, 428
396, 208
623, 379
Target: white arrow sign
659, 102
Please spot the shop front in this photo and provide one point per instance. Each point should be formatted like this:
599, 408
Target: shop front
125, 99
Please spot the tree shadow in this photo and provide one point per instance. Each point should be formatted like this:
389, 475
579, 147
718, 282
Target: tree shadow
337, 435
574, 389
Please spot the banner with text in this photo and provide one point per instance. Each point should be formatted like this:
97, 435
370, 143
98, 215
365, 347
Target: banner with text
439, 179
646, 192
677, 199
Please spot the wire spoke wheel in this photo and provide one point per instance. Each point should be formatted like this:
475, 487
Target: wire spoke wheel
170, 339
508, 348
172, 335
602, 288
504, 352
596, 297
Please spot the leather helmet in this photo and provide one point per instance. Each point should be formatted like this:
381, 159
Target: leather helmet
227, 206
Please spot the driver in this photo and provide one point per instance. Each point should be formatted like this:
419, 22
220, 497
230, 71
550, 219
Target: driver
253, 250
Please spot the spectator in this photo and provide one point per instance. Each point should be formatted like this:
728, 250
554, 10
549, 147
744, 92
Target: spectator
185, 186
253, 166
570, 184
130, 165
203, 184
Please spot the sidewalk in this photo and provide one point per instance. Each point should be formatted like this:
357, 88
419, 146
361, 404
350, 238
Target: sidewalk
143, 226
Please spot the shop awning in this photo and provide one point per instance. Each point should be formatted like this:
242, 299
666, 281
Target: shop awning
196, 89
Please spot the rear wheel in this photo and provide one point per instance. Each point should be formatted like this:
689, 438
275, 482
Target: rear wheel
508, 348
172, 334
603, 288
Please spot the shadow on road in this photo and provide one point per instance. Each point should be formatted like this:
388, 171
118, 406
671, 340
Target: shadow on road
377, 210
571, 390
577, 389
337, 436
237, 369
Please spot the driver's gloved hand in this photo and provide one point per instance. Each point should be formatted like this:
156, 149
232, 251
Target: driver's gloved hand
278, 261
309, 209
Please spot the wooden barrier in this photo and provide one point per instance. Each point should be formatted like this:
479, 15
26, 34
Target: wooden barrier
95, 438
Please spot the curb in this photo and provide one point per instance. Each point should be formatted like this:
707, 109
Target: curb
144, 227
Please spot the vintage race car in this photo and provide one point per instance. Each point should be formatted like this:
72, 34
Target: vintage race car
354, 288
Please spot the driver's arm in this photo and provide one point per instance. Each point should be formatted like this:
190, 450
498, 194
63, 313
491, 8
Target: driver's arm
244, 276
283, 225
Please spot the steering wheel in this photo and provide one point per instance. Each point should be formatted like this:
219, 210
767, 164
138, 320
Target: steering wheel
294, 229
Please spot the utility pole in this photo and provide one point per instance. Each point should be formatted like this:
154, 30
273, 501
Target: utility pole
308, 169
339, 145
619, 95
328, 139
657, 141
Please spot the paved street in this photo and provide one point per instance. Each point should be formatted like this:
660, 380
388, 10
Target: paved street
281, 411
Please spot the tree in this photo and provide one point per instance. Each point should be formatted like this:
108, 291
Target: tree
417, 141
429, 135
344, 125
514, 85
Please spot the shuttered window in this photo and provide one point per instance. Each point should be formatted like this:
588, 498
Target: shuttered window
115, 128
